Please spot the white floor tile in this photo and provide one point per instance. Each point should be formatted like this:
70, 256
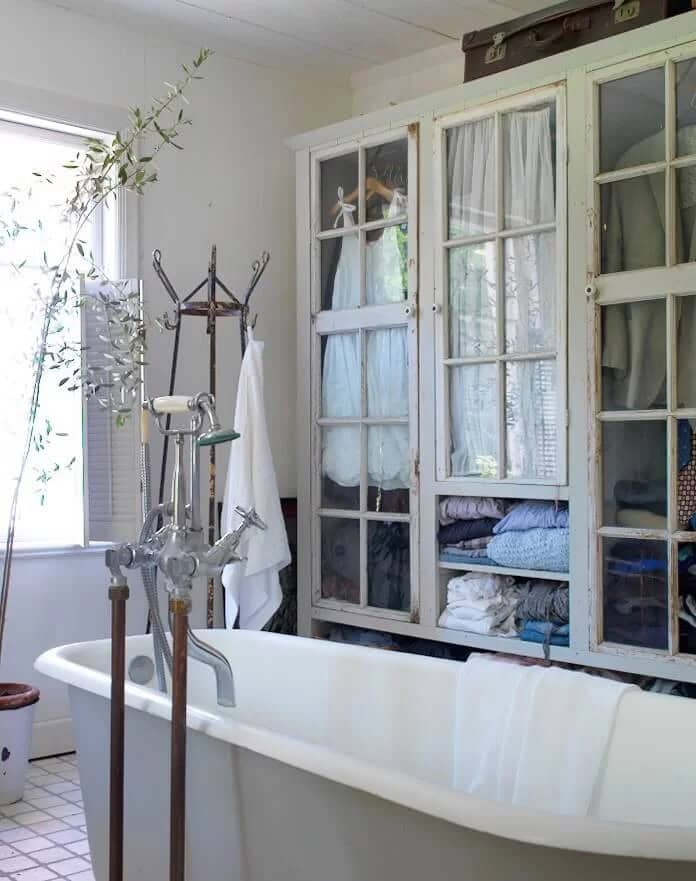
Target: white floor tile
40, 873
47, 826
7, 824
11, 835
19, 807
32, 817
65, 810
76, 820
60, 788
47, 801
29, 845
66, 837
7, 851
52, 855
71, 866
82, 876
81, 848
15, 864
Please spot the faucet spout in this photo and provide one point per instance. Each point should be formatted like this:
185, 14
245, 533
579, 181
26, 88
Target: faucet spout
224, 677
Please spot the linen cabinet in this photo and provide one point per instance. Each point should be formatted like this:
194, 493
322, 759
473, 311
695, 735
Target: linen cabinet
496, 318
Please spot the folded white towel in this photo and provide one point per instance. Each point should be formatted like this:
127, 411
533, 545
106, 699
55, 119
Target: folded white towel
488, 625
533, 736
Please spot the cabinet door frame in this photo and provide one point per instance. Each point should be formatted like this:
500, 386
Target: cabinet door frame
531, 97
661, 283
361, 320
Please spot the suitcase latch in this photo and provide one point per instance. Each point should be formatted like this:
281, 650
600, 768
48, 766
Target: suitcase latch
496, 52
627, 11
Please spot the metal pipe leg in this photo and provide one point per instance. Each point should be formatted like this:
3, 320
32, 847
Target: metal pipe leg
118, 594
179, 609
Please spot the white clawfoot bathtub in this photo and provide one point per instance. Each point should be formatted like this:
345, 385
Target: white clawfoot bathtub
336, 766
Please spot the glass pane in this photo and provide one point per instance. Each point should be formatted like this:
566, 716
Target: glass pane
386, 180
686, 474
340, 559
634, 464
473, 392
387, 373
634, 356
472, 301
530, 293
340, 173
389, 468
686, 107
530, 166
686, 219
340, 467
633, 225
635, 592
386, 265
632, 120
471, 178
340, 386
686, 336
687, 598
388, 566
531, 419
340, 273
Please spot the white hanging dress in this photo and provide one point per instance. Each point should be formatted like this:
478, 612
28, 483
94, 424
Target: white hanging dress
387, 364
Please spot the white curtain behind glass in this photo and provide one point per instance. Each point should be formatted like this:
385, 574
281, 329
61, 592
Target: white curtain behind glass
529, 280
386, 361
59, 520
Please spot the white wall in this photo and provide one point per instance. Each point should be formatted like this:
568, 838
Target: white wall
233, 185
411, 77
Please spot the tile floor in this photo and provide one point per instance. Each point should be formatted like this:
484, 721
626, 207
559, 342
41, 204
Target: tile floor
44, 837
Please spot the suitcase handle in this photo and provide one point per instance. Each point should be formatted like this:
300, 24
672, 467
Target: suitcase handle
569, 25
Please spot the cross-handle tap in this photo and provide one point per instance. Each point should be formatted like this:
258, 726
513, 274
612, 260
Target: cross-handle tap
224, 550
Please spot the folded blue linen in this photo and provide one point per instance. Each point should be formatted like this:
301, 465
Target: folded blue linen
534, 515
544, 549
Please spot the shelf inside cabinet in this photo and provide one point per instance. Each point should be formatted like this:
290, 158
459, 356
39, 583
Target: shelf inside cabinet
536, 574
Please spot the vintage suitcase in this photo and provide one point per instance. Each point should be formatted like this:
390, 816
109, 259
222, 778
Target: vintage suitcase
557, 29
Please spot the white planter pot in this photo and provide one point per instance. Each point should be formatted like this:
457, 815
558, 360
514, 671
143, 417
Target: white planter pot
17, 703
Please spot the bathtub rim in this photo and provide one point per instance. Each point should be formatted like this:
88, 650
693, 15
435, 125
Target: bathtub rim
583, 834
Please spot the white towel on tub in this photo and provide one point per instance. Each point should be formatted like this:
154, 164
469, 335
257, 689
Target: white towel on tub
531, 735
253, 587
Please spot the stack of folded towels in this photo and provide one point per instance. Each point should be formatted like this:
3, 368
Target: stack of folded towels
498, 605
466, 528
479, 602
532, 535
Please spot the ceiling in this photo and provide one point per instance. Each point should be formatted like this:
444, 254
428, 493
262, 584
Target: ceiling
331, 35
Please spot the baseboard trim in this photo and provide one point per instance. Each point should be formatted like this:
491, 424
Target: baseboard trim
52, 738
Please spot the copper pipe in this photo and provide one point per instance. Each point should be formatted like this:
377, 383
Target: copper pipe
179, 610
118, 594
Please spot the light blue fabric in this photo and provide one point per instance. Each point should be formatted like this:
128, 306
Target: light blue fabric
533, 515
449, 557
545, 633
545, 549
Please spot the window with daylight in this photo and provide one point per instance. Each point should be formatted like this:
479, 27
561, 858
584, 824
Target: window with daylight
52, 509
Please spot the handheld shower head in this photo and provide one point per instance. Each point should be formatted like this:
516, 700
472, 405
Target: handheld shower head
216, 436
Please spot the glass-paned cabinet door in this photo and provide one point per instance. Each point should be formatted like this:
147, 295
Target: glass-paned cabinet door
501, 292
364, 376
643, 191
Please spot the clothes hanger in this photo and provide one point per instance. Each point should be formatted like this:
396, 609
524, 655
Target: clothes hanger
373, 187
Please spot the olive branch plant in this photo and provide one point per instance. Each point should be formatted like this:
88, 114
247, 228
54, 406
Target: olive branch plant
100, 173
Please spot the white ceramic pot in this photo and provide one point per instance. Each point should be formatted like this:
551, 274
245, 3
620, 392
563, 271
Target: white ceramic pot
17, 703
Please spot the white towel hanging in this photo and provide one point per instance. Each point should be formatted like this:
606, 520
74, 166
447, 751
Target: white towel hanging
253, 586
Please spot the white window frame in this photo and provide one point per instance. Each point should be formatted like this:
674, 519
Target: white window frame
361, 320
657, 283
443, 244
59, 115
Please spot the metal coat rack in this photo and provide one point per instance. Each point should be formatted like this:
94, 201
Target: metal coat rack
211, 309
